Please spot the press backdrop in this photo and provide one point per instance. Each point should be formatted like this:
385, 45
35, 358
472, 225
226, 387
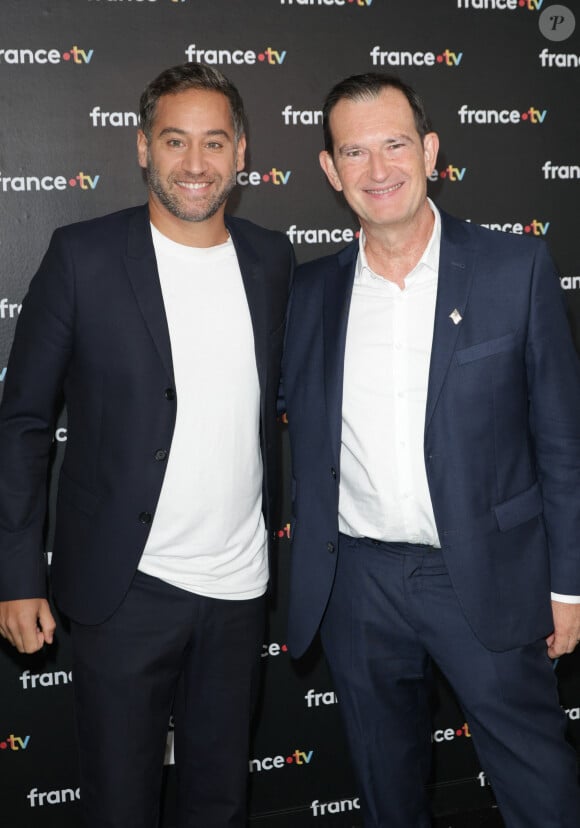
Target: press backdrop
501, 79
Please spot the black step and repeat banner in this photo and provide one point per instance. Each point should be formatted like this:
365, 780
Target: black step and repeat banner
501, 79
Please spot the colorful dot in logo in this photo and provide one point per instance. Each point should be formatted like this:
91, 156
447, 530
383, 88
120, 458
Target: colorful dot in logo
3, 745
261, 57
527, 229
66, 55
525, 116
265, 177
72, 182
440, 58
289, 760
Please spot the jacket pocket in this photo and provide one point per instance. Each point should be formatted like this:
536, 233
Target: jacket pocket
486, 349
520, 508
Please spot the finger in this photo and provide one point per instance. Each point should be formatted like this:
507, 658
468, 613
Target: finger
47, 623
23, 632
557, 648
561, 646
29, 640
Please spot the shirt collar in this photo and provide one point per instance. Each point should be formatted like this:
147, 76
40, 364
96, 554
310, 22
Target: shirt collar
429, 257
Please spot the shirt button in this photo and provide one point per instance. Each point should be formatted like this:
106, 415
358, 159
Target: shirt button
170, 393
333, 472
145, 518
160, 454
330, 546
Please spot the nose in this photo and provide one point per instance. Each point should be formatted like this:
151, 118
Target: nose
378, 166
193, 160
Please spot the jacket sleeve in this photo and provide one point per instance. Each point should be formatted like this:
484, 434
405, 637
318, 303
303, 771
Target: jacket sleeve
554, 394
33, 389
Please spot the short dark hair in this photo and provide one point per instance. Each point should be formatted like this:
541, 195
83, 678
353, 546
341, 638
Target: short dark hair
190, 76
365, 87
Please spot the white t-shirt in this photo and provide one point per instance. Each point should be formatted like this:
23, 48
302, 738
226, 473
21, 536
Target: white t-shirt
208, 534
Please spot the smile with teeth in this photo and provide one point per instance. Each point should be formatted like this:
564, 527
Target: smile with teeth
385, 190
193, 185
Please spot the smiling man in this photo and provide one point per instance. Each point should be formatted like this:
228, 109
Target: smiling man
162, 325
433, 400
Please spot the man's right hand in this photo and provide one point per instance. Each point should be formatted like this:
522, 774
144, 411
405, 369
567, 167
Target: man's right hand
28, 624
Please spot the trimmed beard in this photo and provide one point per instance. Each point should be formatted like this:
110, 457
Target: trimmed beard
173, 203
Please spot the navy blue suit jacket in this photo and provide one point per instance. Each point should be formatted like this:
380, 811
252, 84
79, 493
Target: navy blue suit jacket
501, 439
93, 327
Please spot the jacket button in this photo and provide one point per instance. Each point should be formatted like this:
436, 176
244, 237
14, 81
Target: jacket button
146, 518
333, 472
160, 454
330, 546
170, 393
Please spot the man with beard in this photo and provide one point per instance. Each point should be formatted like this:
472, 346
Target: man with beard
162, 325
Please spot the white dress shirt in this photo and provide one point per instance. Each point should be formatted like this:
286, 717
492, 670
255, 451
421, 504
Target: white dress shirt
383, 488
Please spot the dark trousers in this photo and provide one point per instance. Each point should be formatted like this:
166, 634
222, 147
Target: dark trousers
392, 610
163, 649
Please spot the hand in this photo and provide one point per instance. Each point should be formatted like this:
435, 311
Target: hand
566, 629
28, 624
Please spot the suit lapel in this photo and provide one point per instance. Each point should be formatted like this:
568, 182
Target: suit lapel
144, 277
337, 296
456, 265
255, 285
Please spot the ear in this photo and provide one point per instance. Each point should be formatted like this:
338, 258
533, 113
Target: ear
327, 165
142, 147
241, 154
430, 150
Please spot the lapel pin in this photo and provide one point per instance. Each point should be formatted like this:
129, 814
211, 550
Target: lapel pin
455, 316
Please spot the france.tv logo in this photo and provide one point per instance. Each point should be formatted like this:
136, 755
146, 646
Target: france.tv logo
48, 183
267, 56
255, 178
449, 173
14, 743
74, 55
364, 4
384, 57
532, 115
500, 5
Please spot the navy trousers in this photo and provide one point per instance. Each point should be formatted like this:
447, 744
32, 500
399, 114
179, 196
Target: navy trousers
392, 612
166, 649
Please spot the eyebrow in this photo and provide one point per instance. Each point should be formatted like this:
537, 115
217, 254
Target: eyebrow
391, 140
401, 137
178, 131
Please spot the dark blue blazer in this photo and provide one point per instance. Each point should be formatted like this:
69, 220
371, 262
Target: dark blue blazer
93, 328
501, 439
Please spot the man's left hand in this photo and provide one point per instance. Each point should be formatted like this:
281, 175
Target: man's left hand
566, 629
